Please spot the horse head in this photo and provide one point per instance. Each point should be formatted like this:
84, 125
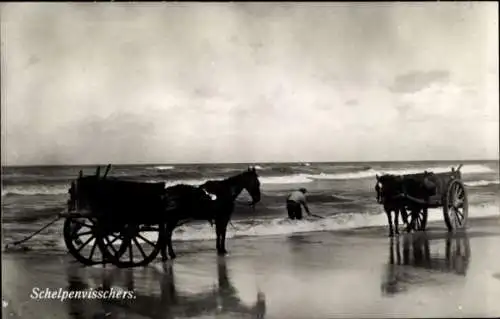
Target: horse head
250, 182
387, 186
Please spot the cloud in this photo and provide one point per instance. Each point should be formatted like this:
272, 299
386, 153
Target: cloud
418, 80
233, 81
351, 102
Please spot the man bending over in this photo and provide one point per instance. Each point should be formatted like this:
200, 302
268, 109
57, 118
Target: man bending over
294, 202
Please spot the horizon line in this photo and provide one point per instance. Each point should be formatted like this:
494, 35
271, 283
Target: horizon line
247, 163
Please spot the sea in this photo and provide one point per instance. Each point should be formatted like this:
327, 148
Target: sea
343, 193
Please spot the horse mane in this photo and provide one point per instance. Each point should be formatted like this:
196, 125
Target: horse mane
227, 180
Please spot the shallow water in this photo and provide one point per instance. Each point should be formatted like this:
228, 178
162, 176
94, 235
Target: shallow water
346, 273
341, 192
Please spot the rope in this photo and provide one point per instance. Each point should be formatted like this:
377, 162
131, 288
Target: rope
239, 229
317, 216
33, 234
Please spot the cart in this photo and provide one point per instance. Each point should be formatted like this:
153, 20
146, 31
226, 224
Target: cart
114, 221
448, 193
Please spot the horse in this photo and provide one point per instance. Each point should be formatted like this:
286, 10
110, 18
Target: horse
393, 191
211, 201
388, 188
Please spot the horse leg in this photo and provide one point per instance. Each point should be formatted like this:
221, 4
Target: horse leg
389, 220
397, 211
163, 250
404, 216
170, 230
220, 229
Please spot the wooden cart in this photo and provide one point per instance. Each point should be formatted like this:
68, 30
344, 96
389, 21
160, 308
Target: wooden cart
449, 193
114, 221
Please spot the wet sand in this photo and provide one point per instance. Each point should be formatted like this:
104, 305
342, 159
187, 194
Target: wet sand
355, 273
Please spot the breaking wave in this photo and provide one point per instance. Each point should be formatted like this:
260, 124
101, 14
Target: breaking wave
28, 190
366, 173
482, 183
283, 226
301, 178
164, 168
467, 169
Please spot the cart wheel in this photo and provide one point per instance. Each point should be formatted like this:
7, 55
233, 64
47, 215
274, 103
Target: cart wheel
140, 245
84, 241
418, 220
455, 206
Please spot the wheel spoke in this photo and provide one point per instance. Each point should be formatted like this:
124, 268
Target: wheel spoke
110, 244
458, 222
131, 256
458, 216
92, 250
145, 239
115, 239
84, 233
76, 221
140, 248
85, 244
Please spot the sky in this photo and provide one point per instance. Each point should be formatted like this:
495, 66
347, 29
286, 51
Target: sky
86, 83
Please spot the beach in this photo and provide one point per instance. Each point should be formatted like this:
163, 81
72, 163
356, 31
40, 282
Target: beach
130, 128
345, 273
336, 266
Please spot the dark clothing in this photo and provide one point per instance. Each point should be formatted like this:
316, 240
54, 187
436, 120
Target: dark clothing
294, 209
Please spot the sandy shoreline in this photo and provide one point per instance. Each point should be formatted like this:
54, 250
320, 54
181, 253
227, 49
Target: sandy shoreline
308, 275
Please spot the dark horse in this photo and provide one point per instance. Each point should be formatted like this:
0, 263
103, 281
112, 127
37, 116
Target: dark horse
388, 188
393, 191
212, 201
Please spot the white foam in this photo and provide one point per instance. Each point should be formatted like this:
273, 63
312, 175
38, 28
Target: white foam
283, 226
308, 178
287, 179
482, 183
280, 226
466, 169
164, 168
35, 190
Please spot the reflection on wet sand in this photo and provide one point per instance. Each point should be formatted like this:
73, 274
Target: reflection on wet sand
411, 252
169, 303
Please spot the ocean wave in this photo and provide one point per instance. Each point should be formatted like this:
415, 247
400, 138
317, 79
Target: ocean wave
283, 226
287, 179
277, 226
300, 178
29, 190
28, 216
481, 183
466, 169
164, 168
366, 173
